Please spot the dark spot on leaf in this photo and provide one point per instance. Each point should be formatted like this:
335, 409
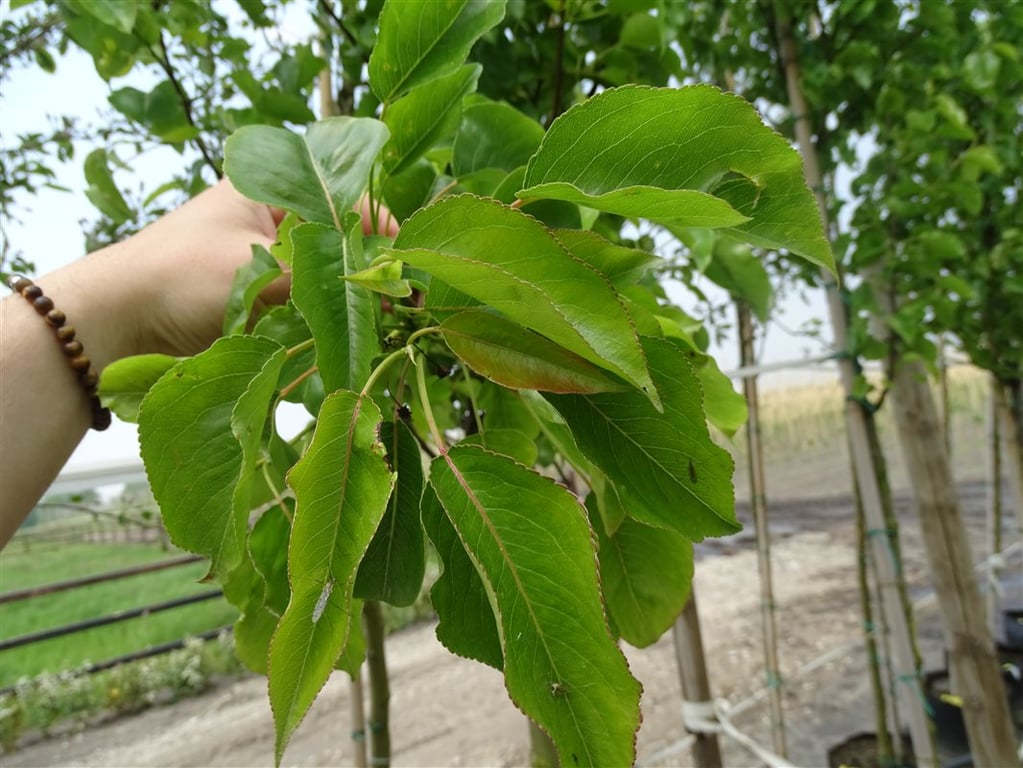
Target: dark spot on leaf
692, 471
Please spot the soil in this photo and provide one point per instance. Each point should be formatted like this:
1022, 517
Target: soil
447, 711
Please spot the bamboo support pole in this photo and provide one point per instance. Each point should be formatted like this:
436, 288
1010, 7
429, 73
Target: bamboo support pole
692, 669
866, 473
758, 489
882, 712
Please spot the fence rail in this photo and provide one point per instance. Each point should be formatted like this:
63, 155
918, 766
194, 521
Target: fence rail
111, 618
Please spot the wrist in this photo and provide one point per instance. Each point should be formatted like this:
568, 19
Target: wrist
98, 295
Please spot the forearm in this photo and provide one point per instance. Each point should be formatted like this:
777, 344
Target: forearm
44, 410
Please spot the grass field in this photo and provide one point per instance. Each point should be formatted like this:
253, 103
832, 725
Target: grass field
44, 565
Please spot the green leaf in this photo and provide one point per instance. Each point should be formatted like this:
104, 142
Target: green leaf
383, 277
119, 14
622, 266
725, 408
494, 135
466, 624
508, 260
125, 382
249, 280
102, 191
980, 70
530, 542
319, 176
339, 313
738, 271
668, 471
425, 116
285, 325
646, 574
199, 430
160, 110
515, 357
45, 60
407, 192
642, 31
395, 563
691, 155
420, 41
263, 576
513, 443
341, 488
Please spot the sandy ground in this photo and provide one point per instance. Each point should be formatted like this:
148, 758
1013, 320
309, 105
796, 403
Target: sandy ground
447, 711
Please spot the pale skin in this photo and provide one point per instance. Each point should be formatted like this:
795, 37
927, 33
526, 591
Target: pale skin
162, 290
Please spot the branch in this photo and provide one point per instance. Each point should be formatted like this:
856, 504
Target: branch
39, 31
326, 7
164, 61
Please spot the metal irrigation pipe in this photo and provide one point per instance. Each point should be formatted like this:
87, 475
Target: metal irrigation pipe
112, 618
61, 586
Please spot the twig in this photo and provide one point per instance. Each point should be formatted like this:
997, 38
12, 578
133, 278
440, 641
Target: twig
163, 59
329, 10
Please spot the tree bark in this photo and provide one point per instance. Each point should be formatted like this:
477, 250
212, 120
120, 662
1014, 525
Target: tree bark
692, 669
885, 563
975, 674
379, 687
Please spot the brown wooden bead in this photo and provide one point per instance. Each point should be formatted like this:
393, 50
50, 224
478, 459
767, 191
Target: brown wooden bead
89, 380
65, 333
80, 364
56, 318
43, 304
32, 292
19, 284
73, 348
100, 417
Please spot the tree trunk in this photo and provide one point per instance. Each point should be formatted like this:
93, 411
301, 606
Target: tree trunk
885, 562
358, 722
379, 687
975, 675
692, 670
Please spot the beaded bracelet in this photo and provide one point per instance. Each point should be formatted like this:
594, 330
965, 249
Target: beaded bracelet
80, 364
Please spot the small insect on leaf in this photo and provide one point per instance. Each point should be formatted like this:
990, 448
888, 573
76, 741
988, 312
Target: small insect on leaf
692, 471
557, 690
321, 602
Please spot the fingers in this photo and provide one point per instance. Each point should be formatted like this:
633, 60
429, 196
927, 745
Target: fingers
386, 223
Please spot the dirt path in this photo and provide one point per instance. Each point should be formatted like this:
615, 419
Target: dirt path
448, 711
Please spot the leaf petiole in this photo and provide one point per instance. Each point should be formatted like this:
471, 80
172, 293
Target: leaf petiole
406, 350
424, 396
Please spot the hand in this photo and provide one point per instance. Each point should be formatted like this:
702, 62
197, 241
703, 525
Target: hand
166, 288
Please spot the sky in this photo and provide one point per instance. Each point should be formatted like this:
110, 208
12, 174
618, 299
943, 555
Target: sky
49, 234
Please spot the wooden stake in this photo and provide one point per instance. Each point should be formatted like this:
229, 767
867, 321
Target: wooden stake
692, 670
994, 503
973, 662
758, 493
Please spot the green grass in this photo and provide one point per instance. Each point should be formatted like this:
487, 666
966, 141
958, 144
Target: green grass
20, 569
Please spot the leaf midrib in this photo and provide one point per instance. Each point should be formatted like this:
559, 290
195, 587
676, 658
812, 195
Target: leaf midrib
519, 586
